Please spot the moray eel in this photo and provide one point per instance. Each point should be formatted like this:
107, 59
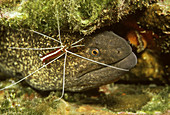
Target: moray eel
81, 74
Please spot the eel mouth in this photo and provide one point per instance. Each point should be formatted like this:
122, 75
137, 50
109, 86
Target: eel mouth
106, 75
126, 63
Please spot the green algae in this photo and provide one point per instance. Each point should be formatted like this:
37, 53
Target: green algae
128, 98
159, 102
9, 3
76, 16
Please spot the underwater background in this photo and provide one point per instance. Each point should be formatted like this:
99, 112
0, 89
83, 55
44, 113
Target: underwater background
143, 23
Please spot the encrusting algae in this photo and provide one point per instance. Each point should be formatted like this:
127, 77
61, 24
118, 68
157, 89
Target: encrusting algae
76, 16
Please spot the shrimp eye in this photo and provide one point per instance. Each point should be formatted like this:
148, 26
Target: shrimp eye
94, 52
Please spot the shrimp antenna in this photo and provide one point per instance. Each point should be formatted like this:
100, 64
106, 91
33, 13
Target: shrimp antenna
34, 48
63, 78
77, 41
45, 35
77, 46
31, 73
59, 29
97, 62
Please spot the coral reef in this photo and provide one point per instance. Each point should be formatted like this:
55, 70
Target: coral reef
121, 99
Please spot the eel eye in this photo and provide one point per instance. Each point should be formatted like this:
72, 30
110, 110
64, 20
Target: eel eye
94, 52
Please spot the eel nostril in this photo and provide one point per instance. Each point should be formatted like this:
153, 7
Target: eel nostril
118, 50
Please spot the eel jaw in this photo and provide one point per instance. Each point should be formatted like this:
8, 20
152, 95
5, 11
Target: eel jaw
104, 75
